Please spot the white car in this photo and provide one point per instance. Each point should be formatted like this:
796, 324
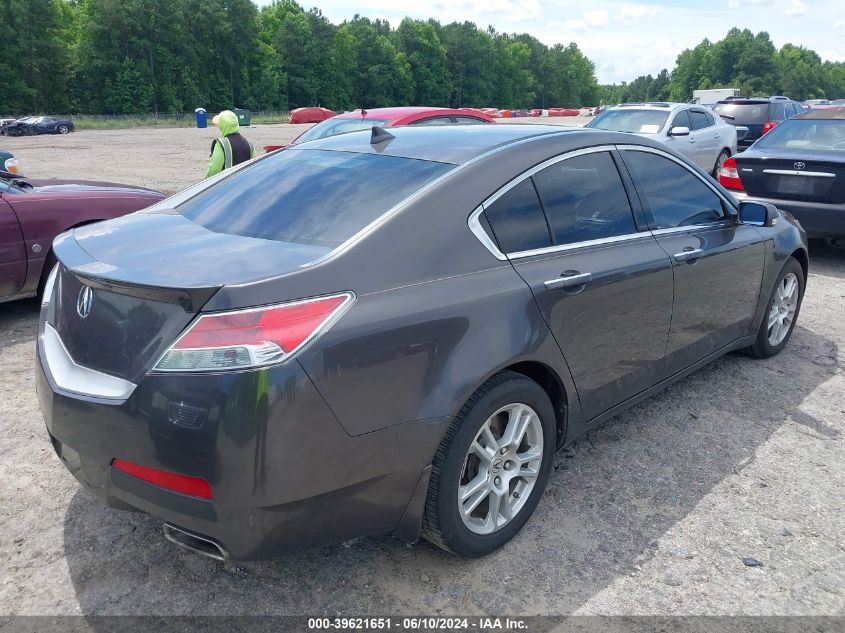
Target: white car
691, 130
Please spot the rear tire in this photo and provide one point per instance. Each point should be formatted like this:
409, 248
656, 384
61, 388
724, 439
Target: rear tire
781, 311
63, 129
720, 160
496, 456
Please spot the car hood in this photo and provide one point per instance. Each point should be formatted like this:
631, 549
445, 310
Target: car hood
52, 185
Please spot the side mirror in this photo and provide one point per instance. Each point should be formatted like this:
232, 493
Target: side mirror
758, 213
679, 130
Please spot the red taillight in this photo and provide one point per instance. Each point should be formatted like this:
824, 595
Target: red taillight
768, 126
729, 177
191, 486
251, 338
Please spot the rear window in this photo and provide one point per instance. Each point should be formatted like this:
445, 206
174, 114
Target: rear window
743, 113
306, 196
334, 126
815, 134
636, 121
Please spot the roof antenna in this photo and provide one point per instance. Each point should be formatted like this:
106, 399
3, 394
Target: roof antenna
380, 135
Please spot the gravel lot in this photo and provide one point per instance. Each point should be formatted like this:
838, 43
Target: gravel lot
650, 514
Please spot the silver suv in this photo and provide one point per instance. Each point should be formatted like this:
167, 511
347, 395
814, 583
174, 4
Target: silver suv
691, 130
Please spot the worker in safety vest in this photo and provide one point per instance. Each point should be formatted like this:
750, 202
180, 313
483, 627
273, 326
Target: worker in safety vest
231, 148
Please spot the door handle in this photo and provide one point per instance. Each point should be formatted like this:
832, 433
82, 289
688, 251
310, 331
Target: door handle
688, 255
568, 279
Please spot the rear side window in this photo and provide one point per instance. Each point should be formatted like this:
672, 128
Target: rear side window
468, 120
584, 199
675, 195
699, 120
306, 196
517, 219
435, 120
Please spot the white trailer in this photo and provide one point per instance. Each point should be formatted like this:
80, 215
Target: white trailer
709, 97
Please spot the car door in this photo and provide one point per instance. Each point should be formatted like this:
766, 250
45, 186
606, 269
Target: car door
682, 144
705, 138
717, 262
603, 284
12, 251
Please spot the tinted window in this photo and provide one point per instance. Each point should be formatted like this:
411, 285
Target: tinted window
468, 120
711, 120
743, 113
675, 195
435, 120
631, 120
517, 219
699, 120
584, 199
778, 111
309, 196
682, 120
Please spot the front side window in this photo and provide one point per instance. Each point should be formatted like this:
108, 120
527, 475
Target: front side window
517, 219
675, 195
315, 197
435, 120
468, 120
682, 120
584, 199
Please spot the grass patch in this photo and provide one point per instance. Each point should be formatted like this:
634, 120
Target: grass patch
93, 122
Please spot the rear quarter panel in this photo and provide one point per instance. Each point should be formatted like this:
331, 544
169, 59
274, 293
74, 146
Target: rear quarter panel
43, 217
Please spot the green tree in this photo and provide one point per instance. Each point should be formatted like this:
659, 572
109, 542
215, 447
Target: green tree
426, 56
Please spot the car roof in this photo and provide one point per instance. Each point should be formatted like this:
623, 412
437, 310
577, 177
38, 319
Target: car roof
837, 114
455, 144
392, 114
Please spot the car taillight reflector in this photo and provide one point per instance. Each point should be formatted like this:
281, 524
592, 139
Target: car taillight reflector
768, 126
254, 337
183, 484
729, 176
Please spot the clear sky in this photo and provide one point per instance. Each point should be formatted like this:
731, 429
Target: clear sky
625, 39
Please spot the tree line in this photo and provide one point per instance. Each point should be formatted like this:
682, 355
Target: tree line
741, 60
142, 56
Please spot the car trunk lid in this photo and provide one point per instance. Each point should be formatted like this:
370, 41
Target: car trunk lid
801, 177
127, 288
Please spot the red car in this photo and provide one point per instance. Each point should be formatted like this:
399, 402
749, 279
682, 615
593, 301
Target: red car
387, 117
34, 212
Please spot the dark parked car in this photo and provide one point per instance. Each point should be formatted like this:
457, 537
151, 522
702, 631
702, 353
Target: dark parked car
800, 167
3, 124
267, 365
759, 114
33, 212
39, 125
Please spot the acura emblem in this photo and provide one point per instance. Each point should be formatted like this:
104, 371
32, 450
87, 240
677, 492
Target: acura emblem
84, 301
799, 165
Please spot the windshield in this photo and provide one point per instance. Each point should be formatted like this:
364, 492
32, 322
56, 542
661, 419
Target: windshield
334, 126
817, 134
309, 196
628, 120
744, 113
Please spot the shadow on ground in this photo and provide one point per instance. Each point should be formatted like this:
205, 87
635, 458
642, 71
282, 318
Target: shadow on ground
611, 497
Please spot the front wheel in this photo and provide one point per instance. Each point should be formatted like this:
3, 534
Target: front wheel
491, 467
64, 129
781, 312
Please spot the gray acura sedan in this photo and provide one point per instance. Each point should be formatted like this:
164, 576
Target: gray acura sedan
392, 332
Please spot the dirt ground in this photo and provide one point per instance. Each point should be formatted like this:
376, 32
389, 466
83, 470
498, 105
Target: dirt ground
165, 159
650, 514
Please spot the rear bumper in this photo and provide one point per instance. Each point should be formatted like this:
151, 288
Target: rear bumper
817, 219
284, 474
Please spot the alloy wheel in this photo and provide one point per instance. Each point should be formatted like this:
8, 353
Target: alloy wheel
500, 468
783, 308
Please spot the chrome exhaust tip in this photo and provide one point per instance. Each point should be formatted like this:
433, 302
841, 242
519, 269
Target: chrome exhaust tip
199, 544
